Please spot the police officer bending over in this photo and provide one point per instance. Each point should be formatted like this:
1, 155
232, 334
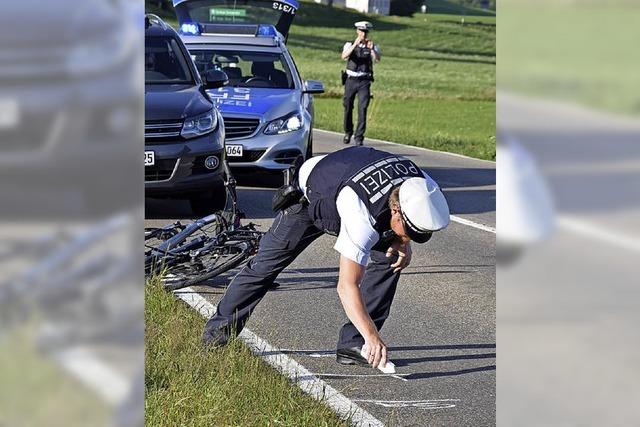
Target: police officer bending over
359, 74
376, 203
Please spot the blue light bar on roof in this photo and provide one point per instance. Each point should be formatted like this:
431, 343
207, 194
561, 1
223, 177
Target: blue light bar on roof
190, 29
292, 3
266, 31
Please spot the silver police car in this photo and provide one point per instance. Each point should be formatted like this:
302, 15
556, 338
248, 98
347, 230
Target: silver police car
266, 107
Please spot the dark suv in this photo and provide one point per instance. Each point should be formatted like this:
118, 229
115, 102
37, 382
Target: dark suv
184, 132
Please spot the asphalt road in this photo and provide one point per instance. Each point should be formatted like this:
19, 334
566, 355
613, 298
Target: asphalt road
441, 331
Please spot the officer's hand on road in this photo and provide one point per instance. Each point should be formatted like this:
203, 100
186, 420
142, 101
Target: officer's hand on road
377, 351
404, 255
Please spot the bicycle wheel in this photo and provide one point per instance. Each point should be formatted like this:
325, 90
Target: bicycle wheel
205, 267
171, 245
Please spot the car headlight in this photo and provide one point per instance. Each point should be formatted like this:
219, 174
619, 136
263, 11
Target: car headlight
199, 125
289, 123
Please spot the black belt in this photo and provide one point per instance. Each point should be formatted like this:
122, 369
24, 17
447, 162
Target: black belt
363, 77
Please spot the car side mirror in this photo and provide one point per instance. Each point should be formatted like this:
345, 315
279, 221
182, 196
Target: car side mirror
215, 78
313, 86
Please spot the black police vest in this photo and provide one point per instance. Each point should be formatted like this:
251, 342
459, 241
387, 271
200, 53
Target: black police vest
371, 173
360, 60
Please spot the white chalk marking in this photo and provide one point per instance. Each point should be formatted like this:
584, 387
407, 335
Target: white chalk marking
598, 233
473, 224
422, 404
410, 146
94, 373
320, 354
325, 374
297, 373
315, 354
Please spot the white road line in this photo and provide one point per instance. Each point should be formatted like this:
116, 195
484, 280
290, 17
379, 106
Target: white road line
473, 224
595, 232
297, 373
83, 364
410, 146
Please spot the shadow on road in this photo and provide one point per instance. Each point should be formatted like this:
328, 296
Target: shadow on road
410, 361
254, 202
423, 375
470, 201
461, 177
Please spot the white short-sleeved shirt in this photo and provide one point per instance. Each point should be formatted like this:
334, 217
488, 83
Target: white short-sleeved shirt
357, 235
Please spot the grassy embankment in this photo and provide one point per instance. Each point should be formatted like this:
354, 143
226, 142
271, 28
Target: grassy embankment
188, 385
435, 85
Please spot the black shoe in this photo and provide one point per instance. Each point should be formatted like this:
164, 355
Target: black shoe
346, 139
359, 142
214, 338
351, 356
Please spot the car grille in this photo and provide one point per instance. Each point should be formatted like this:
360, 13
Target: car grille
247, 156
159, 130
162, 170
236, 127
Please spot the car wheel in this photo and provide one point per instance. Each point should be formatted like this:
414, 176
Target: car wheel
207, 203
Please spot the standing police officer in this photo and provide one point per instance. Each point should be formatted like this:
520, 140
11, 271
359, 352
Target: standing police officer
360, 55
376, 203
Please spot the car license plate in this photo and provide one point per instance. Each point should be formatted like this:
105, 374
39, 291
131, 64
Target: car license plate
234, 150
149, 158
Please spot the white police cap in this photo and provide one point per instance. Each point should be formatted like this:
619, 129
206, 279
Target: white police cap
424, 208
363, 25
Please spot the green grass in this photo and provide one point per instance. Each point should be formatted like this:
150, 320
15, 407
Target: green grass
441, 123
582, 51
435, 85
188, 385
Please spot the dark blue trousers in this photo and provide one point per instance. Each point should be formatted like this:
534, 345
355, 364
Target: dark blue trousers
362, 88
292, 231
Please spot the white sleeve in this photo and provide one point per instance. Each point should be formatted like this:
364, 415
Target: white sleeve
346, 46
357, 235
305, 171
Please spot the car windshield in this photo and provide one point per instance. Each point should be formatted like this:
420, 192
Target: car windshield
164, 62
245, 68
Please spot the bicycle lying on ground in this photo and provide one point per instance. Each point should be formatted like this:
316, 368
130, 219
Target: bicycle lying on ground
192, 253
